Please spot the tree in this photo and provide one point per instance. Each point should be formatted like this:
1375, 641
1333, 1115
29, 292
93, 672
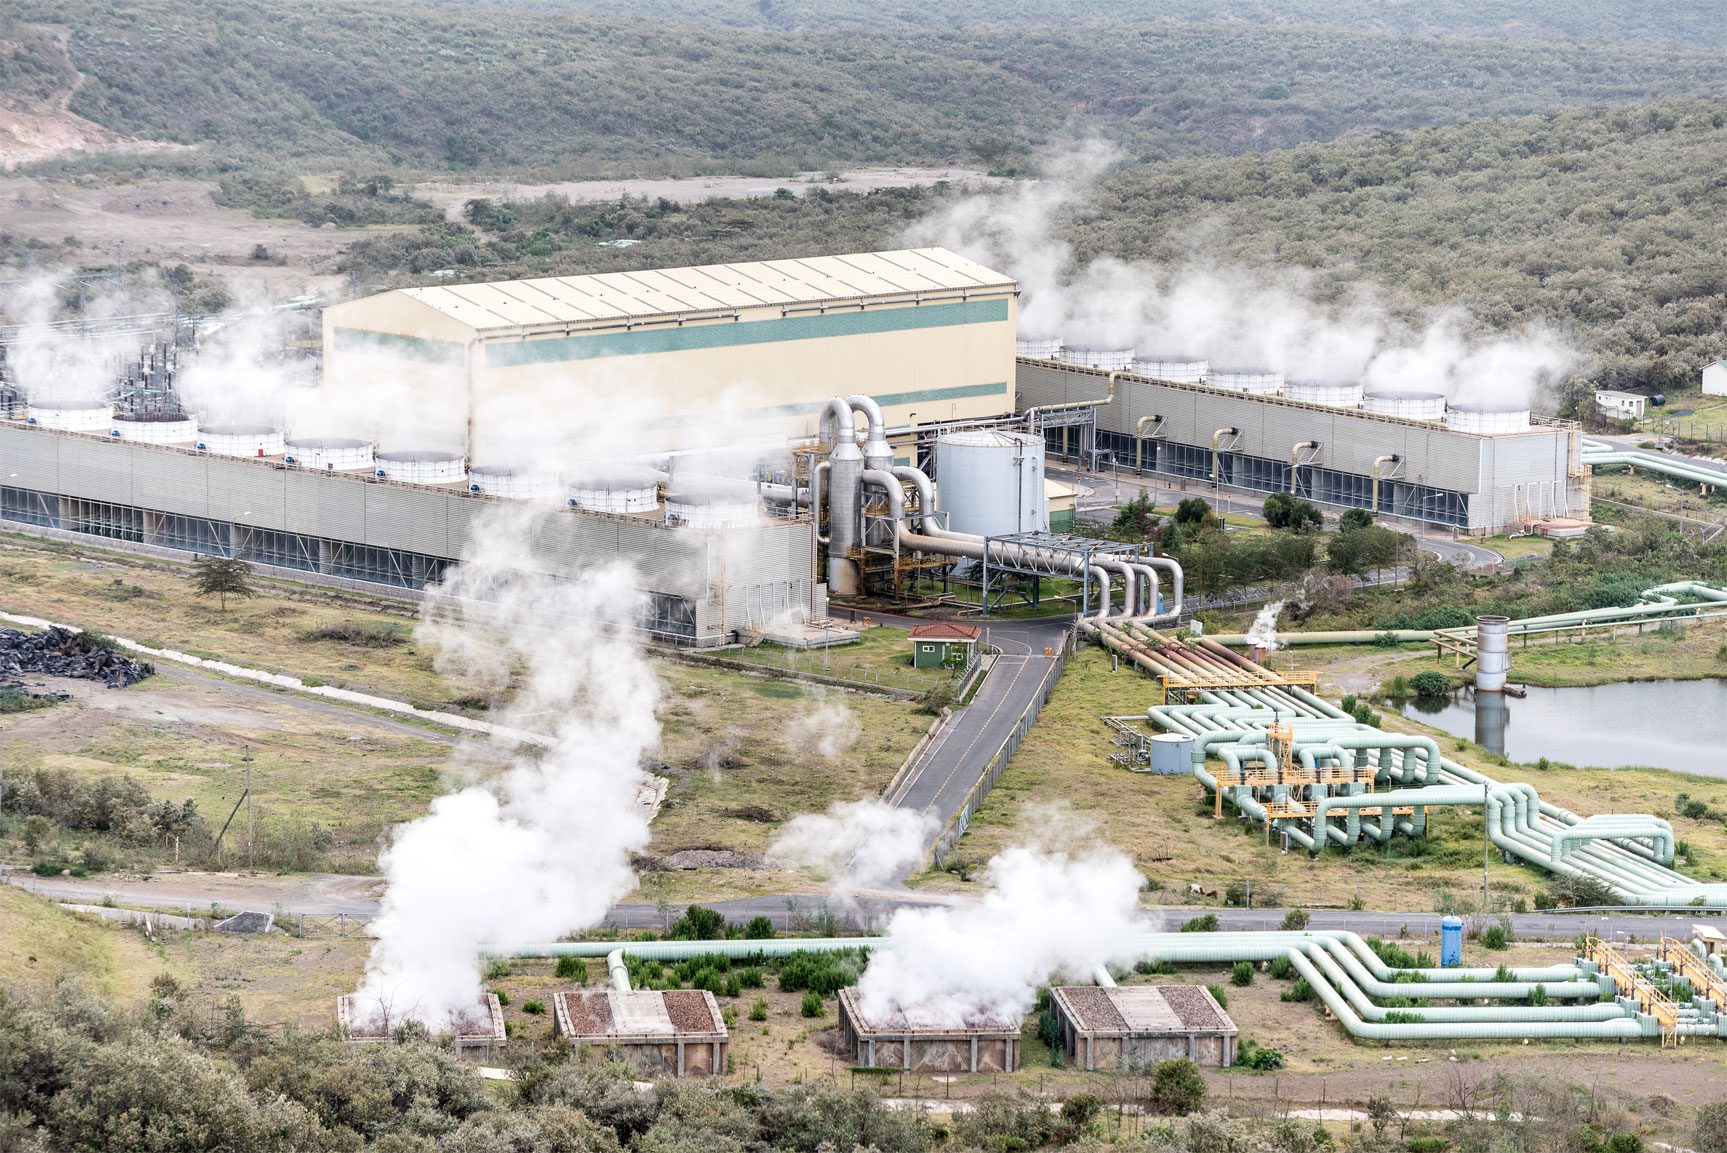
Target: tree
1276, 509
1194, 514
1353, 519
1710, 1135
1135, 520
223, 577
1177, 1087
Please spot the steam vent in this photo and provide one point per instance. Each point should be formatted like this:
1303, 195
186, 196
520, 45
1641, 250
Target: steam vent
678, 1032
1136, 1025
481, 1029
981, 1046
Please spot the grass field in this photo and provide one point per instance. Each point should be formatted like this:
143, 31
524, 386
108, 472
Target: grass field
880, 656
1657, 493
1063, 787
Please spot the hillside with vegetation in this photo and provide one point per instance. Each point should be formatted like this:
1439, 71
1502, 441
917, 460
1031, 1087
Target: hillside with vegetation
573, 89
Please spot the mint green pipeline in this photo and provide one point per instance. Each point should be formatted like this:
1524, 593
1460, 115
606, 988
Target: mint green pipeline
1608, 849
1339, 966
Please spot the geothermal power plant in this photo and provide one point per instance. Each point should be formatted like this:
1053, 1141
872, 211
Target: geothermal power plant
755, 438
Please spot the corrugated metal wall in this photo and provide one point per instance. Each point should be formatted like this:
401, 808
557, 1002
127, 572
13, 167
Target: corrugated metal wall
741, 576
1515, 468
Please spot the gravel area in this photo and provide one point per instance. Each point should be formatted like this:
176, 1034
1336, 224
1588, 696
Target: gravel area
1193, 1006
1095, 1011
688, 1009
590, 1013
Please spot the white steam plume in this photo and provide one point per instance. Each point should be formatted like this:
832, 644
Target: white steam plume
859, 844
239, 374
825, 725
50, 363
544, 848
1263, 632
1261, 317
1048, 914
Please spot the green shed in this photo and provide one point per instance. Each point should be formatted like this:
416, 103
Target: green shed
943, 644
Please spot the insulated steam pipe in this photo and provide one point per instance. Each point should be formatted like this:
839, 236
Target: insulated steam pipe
1378, 462
1295, 461
1139, 440
845, 495
1216, 439
878, 453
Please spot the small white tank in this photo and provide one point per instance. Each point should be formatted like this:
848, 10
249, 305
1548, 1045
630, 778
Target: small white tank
1095, 356
1170, 366
1487, 419
71, 415
1331, 393
329, 453
696, 501
155, 428
511, 483
1408, 405
241, 440
990, 482
1254, 381
1037, 347
623, 489
422, 467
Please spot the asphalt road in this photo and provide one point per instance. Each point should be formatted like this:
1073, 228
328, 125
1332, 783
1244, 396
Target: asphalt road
330, 894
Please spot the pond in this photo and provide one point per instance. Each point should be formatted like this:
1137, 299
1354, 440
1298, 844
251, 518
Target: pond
1667, 724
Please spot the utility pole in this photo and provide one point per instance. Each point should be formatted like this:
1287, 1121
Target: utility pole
246, 757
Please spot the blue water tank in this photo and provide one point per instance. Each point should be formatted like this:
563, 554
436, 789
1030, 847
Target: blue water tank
1451, 942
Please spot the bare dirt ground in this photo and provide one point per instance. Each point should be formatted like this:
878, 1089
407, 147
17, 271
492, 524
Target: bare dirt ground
452, 196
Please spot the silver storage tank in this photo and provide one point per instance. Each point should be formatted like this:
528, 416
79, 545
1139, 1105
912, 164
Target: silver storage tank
1096, 356
330, 453
1408, 405
1486, 419
422, 466
242, 440
1171, 754
1254, 381
1331, 393
990, 482
511, 483
155, 427
70, 415
1492, 653
1172, 366
624, 489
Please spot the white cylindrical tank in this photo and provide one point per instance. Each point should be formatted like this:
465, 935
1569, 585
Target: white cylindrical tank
697, 501
422, 467
990, 482
155, 427
1037, 347
242, 440
1492, 653
1486, 419
623, 489
506, 481
1255, 381
71, 415
1095, 356
1331, 393
1171, 754
1172, 366
1408, 405
329, 453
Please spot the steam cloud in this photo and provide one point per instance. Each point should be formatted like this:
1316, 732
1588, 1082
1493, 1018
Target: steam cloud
1263, 632
858, 844
1235, 316
1047, 914
52, 365
544, 848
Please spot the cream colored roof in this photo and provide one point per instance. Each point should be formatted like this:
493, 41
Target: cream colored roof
556, 300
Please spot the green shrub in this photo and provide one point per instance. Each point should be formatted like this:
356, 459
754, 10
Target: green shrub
572, 969
1298, 991
1282, 967
812, 1004
751, 978
1219, 994
1258, 1058
1495, 937
1205, 923
759, 1010
698, 923
1430, 683
1177, 1088
758, 929
533, 1008
822, 973
1241, 973
1295, 920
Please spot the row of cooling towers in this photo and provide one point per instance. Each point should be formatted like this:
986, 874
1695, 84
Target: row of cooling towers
625, 489
1351, 394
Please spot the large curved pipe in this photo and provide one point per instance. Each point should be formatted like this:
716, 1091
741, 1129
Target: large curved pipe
1139, 439
1217, 439
878, 453
1295, 461
1378, 463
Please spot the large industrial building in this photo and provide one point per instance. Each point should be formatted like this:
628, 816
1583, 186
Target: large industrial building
753, 437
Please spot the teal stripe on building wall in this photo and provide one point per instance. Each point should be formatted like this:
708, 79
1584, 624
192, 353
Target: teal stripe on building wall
557, 350
390, 344
810, 408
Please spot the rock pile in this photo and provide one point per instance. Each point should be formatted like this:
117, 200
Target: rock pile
63, 653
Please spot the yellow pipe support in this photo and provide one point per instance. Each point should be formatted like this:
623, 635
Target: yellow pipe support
1378, 461
1215, 438
1139, 440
